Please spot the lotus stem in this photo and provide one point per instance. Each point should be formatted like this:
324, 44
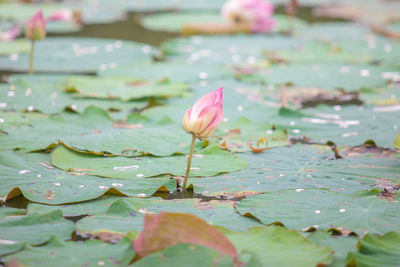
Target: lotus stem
31, 57
189, 162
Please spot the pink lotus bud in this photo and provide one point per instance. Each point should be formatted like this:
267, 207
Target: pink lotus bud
204, 117
10, 34
256, 13
35, 28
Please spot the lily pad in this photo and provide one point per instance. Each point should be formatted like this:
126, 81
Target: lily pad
336, 31
91, 207
174, 22
175, 71
327, 76
343, 125
65, 55
6, 211
132, 168
68, 253
35, 178
162, 5
198, 256
11, 119
376, 251
119, 219
305, 166
24, 94
95, 132
302, 209
340, 244
379, 50
278, 246
124, 89
33, 229
12, 49
215, 212
226, 49
237, 135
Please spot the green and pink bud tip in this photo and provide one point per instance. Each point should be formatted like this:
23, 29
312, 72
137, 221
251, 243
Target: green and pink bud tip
201, 121
35, 30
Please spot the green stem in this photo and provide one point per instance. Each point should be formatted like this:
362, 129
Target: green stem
31, 57
189, 162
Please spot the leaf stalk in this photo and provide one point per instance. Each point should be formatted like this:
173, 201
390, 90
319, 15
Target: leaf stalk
189, 162
31, 55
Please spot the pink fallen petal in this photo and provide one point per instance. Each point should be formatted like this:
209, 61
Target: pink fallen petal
10, 34
167, 229
61, 15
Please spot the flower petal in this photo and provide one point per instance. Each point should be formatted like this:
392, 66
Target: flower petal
185, 121
207, 100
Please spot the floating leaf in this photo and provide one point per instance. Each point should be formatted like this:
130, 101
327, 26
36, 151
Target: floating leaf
43, 94
323, 209
119, 219
35, 178
238, 51
132, 168
305, 166
343, 125
68, 253
125, 89
95, 132
34, 229
278, 246
65, 55
12, 49
376, 251
91, 207
198, 256
175, 71
340, 244
215, 212
326, 76
236, 135
174, 22
6, 212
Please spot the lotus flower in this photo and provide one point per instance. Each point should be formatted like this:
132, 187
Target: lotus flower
256, 13
67, 15
61, 15
201, 121
204, 117
36, 27
10, 34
